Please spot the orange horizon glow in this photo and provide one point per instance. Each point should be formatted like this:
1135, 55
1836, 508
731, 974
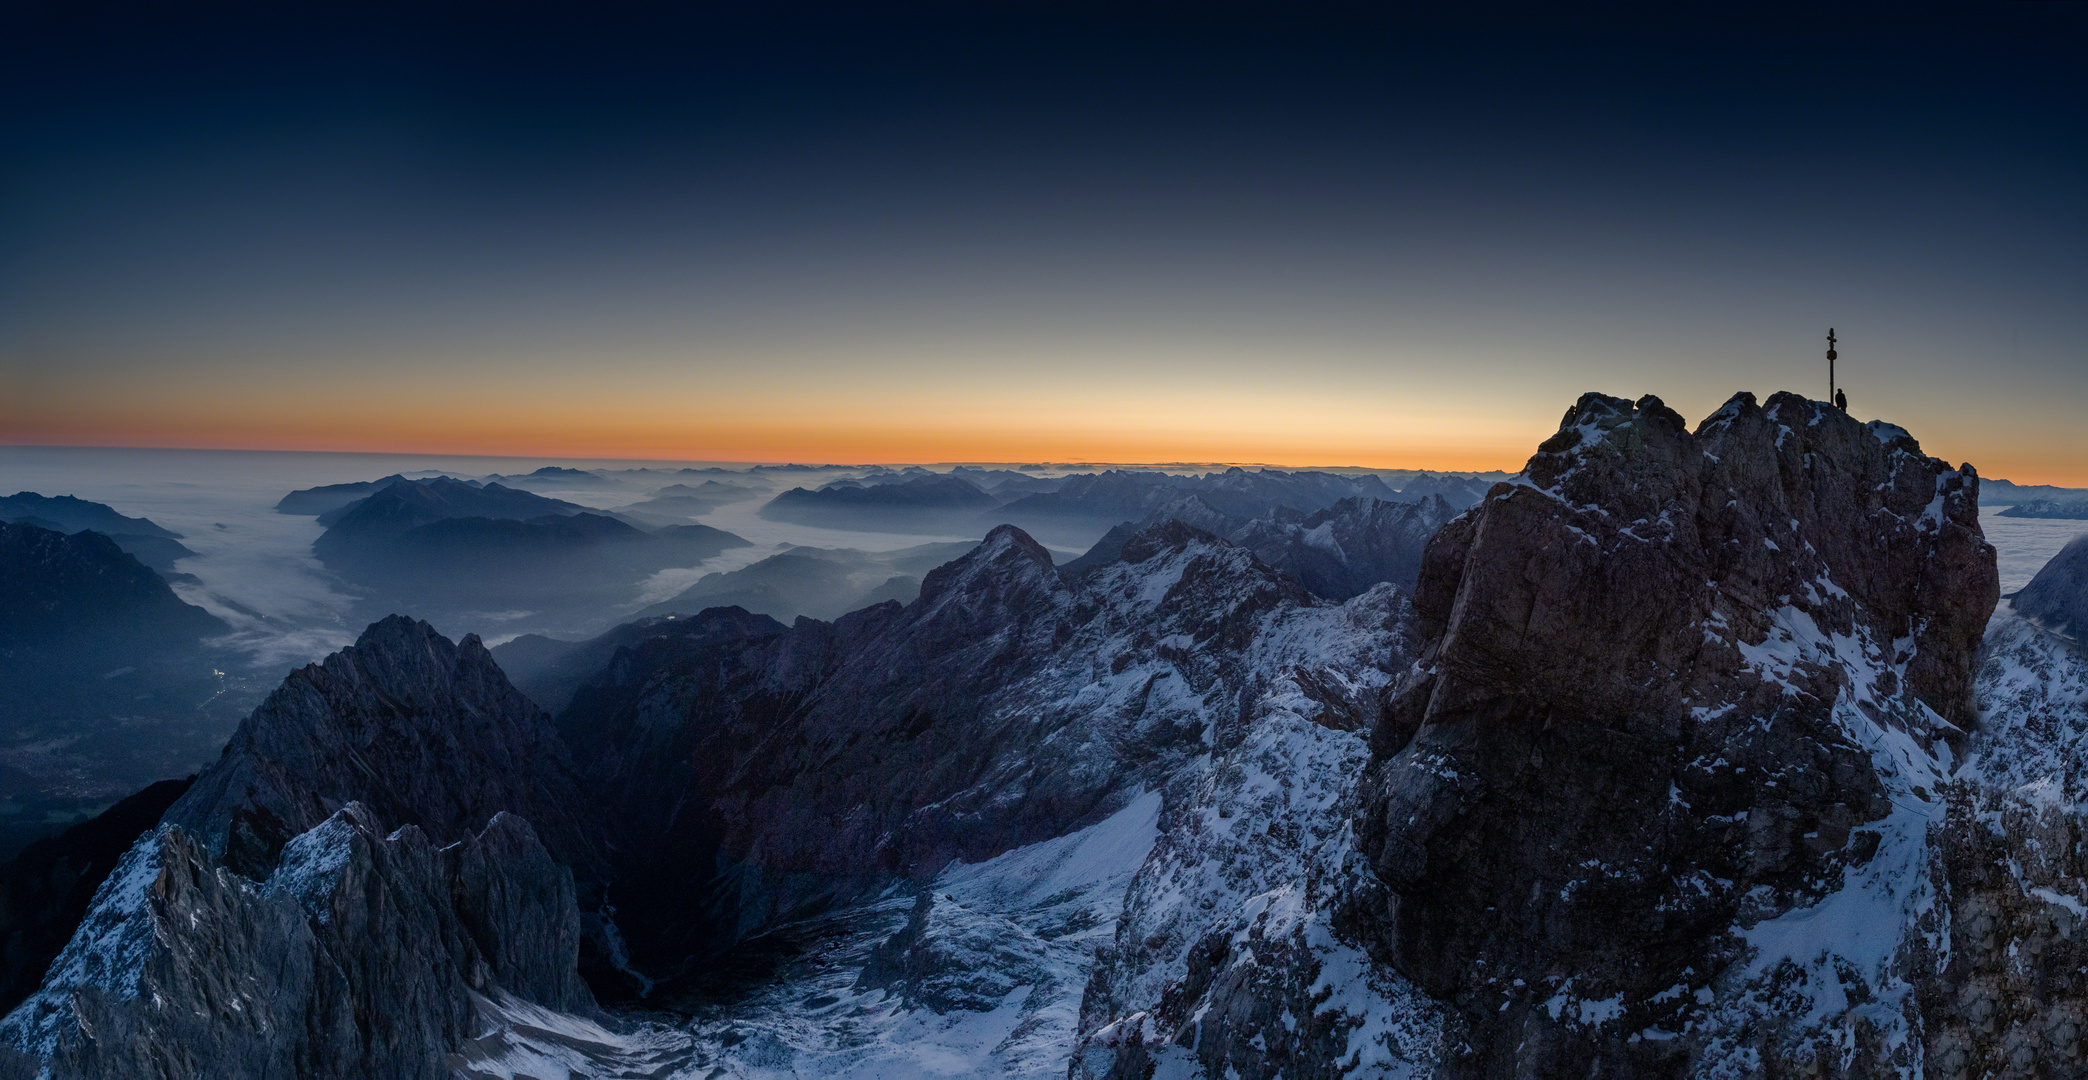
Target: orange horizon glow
865, 451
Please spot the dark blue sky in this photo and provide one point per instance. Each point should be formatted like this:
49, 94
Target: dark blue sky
936, 233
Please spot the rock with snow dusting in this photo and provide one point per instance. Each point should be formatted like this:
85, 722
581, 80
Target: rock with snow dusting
1001, 708
1336, 552
360, 955
345, 892
1669, 758
1346, 548
2011, 996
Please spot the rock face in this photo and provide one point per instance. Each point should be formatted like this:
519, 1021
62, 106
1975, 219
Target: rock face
1343, 550
1677, 685
45, 890
361, 954
2058, 596
421, 731
1146, 761
2011, 996
1337, 552
344, 893
1001, 708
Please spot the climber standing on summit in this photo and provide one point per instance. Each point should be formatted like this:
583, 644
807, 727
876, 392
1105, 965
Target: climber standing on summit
1841, 400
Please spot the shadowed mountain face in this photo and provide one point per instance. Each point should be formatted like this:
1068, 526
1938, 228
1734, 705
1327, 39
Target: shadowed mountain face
107, 679
2058, 596
154, 546
1650, 713
343, 893
44, 891
315, 501
72, 515
81, 602
550, 671
835, 757
418, 729
395, 508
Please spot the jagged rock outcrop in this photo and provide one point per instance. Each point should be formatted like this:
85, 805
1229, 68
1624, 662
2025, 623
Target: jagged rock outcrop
1684, 758
361, 954
1677, 686
1001, 708
2010, 998
1346, 548
421, 730
44, 891
346, 892
1336, 552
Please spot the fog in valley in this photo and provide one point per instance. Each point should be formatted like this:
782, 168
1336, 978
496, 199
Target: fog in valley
275, 560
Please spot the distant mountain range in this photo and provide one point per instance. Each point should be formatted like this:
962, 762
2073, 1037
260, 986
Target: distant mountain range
679, 502
154, 546
314, 501
1073, 511
918, 504
2009, 493
452, 548
822, 583
2064, 509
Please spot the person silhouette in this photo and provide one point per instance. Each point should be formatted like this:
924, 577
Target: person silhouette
1841, 401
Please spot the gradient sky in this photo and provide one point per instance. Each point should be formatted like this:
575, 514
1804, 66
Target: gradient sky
1237, 234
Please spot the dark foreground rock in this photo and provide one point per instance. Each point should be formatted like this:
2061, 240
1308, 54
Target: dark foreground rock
44, 891
1676, 685
346, 892
364, 953
422, 731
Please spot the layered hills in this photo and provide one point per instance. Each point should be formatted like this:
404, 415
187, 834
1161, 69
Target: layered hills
930, 503
152, 545
459, 550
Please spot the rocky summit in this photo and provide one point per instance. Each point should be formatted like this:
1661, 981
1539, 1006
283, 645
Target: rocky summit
1682, 691
1688, 753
